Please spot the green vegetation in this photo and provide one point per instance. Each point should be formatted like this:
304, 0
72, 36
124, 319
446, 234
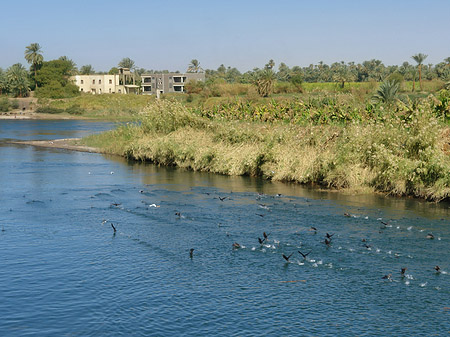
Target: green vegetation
53, 80
34, 57
400, 149
7, 105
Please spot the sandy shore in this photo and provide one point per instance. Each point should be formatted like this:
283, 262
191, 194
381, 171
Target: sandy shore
66, 144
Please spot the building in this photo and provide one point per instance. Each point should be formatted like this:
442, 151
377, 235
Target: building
122, 83
157, 84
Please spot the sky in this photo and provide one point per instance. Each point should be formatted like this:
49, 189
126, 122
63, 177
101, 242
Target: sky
161, 34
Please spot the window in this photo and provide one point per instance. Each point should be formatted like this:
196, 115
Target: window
81, 89
178, 88
99, 81
147, 79
93, 81
82, 82
147, 88
177, 79
110, 82
110, 89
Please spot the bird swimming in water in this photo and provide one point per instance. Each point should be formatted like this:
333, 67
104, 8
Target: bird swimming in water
403, 272
236, 245
363, 240
313, 229
304, 255
115, 204
438, 269
114, 228
191, 253
430, 236
329, 236
178, 214
387, 277
287, 257
327, 241
222, 198
266, 236
347, 215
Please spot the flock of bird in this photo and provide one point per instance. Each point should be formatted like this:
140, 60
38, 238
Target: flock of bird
327, 239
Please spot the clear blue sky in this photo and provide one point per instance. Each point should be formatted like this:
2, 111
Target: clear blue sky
159, 34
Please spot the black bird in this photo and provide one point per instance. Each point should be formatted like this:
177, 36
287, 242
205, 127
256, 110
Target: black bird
265, 235
403, 272
430, 236
367, 246
363, 240
236, 245
329, 236
141, 191
115, 204
385, 224
222, 198
438, 269
304, 255
191, 253
261, 215
327, 241
178, 214
387, 277
261, 241
313, 229
114, 228
287, 257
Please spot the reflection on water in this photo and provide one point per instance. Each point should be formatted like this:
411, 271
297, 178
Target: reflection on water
64, 271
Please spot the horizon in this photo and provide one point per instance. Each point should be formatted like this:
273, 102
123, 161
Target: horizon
239, 35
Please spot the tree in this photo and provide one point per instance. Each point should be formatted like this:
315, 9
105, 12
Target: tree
194, 67
3, 82
270, 64
34, 57
17, 77
264, 80
73, 67
387, 92
113, 71
53, 79
87, 70
419, 58
126, 62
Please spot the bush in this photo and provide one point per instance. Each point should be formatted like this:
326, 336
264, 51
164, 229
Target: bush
55, 90
4, 105
49, 110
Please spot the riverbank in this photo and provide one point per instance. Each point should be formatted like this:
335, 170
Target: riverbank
72, 144
401, 154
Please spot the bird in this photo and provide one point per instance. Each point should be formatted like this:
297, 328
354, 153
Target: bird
363, 240
347, 214
178, 214
114, 228
287, 257
261, 241
304, 255
430, 236
191, 253
261, 215
403, 272
327, 241
222, 198
115, 204
438, 269
266, 236
141, 191
236, 245
314, 229
387, 277
329, 236
367, 246
385, 224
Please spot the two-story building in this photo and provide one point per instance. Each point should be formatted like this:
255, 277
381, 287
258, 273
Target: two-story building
166, 83
122, 83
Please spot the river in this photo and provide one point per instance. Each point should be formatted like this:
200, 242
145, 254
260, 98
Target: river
65, 272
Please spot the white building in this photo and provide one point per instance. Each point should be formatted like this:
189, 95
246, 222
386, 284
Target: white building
123, 83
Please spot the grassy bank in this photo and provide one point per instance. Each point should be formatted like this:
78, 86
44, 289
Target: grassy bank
399, 150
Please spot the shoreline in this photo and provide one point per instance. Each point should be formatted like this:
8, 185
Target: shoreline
63, 144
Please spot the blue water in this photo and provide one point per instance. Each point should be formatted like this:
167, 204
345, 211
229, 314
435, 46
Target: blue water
63, 271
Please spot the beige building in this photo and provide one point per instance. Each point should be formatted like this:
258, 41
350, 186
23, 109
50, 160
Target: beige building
123, 83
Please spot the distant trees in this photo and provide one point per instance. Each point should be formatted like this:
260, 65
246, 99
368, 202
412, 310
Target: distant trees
126, 62
33, 55
194, 67
53, 79
17, 80
419, 58
87, 70
3, 82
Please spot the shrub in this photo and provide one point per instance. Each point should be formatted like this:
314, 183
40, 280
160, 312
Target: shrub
49, 110
4, 105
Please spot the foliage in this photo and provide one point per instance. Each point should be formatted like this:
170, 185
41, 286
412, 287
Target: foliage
87, 70
126, 62
17, 78
34, 57
194, 67
264, 81
387, 92
419, 58
53, 80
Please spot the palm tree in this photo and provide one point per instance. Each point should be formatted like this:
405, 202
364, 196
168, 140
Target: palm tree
3, 81
270, 64
87, 70
264, 81
387, 92
419, 58
34, 57
126, 62
17, 77
194, 67
72, 66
